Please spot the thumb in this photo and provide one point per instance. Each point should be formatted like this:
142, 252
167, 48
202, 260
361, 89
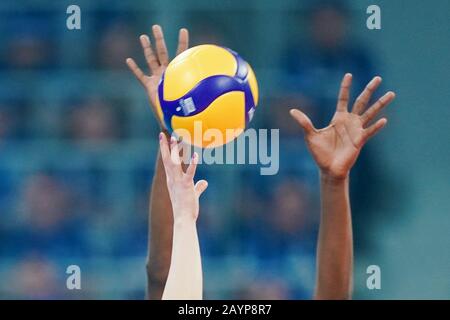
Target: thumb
200, 186
302, 120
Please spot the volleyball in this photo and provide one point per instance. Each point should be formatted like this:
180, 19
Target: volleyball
207, 87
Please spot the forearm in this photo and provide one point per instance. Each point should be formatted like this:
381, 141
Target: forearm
185, 279
335, 242
160, 233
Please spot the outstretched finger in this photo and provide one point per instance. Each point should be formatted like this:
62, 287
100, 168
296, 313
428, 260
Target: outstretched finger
303, 121
161, 48
183, 40
165, 152
175, 152
374, 129
364, 98
150, 57
370, 113
190, 171
344, 93
136, 70
200, 187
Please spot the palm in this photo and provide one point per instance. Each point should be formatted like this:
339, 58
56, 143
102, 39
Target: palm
151, 85
157, 63
336, 147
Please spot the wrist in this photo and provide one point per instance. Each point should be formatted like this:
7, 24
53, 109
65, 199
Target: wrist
333, 179
184, 218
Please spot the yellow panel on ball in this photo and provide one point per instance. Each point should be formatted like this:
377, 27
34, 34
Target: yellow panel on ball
159, 111
226, 112
194, 65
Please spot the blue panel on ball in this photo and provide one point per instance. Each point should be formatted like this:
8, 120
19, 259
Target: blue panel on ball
242, 70
249, 101
197, 99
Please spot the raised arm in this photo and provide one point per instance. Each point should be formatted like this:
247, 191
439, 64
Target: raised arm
160, 210
335, 149
185, 280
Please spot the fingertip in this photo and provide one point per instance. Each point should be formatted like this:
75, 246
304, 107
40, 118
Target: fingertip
298, 115
173, 140
382, 122
392, 94
346, 80
194, 158
201, 186
204, 183
162, 139
375, 82
164, 148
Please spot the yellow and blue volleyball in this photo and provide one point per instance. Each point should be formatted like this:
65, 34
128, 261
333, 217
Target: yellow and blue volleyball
209, 84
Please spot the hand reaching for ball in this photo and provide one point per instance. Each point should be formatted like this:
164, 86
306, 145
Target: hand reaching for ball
336, 147
184, 194
157, 63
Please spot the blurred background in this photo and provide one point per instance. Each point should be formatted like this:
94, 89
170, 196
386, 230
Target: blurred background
78, 145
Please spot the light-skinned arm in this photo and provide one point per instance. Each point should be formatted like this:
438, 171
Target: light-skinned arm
185, 280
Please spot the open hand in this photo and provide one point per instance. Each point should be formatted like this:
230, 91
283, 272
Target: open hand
157, 63
184, 194
336, 147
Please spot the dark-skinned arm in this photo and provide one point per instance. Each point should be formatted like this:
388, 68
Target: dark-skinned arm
160, 208
335, 150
